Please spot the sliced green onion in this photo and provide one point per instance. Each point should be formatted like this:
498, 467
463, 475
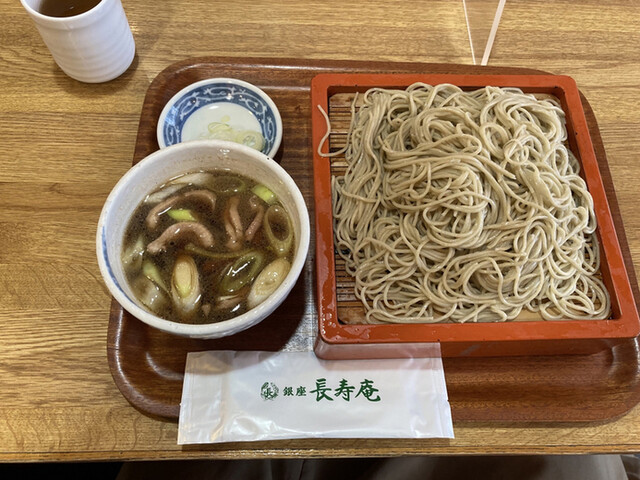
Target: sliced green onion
242, 272
265, 194
185, 286
278, 229
251, 139
151, 271
202, 179
162, 194
182, 215
268, 281
132, 255
220, 131
150, 294
183, 277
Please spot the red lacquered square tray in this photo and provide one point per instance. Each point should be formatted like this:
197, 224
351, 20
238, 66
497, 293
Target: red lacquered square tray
338, 339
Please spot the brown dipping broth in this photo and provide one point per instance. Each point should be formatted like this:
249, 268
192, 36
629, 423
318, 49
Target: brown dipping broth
210, 270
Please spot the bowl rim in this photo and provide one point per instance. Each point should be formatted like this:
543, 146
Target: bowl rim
214, 80
235, 324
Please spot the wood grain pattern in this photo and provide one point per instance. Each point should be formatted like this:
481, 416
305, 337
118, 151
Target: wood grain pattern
65, 144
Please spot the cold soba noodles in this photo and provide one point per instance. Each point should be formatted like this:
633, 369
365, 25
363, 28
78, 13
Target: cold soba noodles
207, 246
465, 207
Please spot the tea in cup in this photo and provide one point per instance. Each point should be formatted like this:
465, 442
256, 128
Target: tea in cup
90, 40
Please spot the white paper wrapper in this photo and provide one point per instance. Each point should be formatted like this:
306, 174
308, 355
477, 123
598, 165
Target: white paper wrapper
231, 396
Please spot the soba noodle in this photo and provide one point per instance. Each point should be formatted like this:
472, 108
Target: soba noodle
465, 207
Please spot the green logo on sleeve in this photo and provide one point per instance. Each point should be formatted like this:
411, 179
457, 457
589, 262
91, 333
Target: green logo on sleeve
269, 391
344, 390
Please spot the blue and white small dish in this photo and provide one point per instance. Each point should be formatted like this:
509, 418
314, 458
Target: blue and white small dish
222, 109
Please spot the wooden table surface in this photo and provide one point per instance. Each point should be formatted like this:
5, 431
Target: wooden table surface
65, 144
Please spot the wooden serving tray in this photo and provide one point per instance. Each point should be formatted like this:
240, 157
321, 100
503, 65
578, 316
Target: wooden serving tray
147, 365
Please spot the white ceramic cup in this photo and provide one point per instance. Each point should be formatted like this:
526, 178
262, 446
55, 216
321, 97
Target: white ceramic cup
95, 46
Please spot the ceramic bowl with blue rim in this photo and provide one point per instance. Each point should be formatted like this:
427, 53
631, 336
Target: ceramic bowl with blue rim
222, 109
167, 163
